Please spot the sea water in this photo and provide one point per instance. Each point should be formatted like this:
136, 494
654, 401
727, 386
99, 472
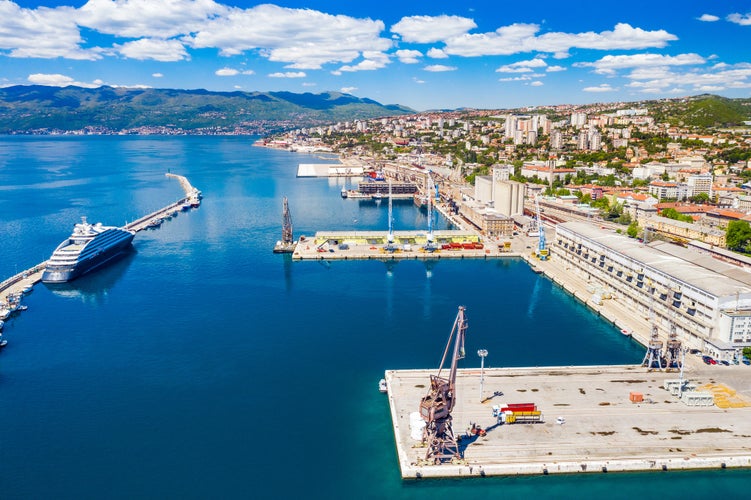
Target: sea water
202, 365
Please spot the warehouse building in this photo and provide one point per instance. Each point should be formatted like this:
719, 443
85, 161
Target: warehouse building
705, 301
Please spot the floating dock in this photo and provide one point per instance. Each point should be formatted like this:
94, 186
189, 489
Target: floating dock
589, 422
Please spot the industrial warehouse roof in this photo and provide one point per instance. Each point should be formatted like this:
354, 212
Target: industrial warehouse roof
689, 266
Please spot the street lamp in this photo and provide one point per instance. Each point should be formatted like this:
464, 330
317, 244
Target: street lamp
482, 353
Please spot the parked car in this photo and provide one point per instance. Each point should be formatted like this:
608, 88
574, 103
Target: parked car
707, 360
746, 361
725, 362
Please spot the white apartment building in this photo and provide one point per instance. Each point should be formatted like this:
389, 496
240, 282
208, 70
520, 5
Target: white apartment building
701, 183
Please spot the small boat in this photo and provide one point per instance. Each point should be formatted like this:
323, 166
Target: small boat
4, 313
625, 332
344, 192
2, 324
22, 307
28, 288
3, 342
382, 387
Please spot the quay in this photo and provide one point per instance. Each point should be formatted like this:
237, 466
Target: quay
30, 277
589, 424
358, 245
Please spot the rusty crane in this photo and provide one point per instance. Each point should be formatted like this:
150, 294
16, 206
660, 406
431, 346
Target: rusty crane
436, 406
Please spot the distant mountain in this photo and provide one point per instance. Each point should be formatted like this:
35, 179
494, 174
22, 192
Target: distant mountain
702, 111
38, 108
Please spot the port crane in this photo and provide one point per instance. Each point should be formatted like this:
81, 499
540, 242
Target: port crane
653, 357
430, 245
390, 246
436, 406
286, 245
542, 251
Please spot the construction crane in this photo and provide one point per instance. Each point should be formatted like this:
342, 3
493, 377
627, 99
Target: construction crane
286, 245
542, 251
436, 406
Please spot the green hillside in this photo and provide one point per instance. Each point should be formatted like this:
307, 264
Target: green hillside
24, 109
702, 111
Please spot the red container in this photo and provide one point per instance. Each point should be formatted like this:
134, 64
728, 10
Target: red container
521, 407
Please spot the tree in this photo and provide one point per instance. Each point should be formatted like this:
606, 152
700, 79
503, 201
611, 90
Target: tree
633, 229
700, 198
738, 235
747, 352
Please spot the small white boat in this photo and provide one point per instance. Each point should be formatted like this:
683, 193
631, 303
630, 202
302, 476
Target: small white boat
382, 387
28, 288
4, 313
625, 332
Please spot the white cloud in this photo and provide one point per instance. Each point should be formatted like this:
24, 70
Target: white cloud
708, 18
308, 84
233, 72
302, 38
609, 64
157, 75
288, 74
518, 38
436, 68
523, 78
600, 88
348, 90
553, 69
437, 54
417, 80
522, 66
408, 56
536, 84
742, 19
148, 18
430, 29
58, 80
44, 33
372, 61
719, 77
155, 49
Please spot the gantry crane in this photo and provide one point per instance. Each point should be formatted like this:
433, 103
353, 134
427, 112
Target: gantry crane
436, 406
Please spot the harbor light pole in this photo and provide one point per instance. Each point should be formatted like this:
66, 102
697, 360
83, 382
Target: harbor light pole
482, 353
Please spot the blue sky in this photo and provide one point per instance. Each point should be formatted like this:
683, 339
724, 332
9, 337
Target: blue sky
426, 55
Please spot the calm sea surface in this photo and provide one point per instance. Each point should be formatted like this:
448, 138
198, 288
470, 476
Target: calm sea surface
201, 365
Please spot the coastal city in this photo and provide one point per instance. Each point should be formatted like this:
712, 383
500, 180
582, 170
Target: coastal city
375, 250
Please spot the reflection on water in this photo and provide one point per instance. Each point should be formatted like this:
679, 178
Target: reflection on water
93, 287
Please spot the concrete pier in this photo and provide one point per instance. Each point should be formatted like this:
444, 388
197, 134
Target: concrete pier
603, 431
354, 245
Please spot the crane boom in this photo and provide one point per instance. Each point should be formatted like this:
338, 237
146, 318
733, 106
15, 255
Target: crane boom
436, 406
